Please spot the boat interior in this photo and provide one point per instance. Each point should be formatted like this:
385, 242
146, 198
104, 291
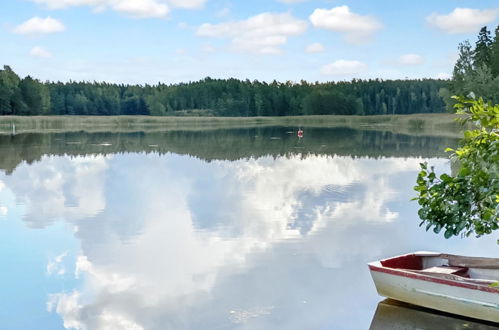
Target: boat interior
481, 271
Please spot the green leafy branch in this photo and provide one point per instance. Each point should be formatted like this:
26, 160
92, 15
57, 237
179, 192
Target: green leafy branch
466, 201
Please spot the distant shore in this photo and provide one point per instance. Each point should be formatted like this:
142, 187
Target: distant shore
414, 124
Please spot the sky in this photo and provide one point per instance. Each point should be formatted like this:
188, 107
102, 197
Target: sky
172, 41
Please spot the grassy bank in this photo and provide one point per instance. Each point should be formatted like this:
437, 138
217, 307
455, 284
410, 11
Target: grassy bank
433, 124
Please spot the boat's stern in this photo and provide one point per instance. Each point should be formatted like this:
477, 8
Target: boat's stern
405, 278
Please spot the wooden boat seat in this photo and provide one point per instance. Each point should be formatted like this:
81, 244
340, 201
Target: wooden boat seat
447, 270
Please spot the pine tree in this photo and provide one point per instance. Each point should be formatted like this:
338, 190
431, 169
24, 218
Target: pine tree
494, 54
482, 54
463, 67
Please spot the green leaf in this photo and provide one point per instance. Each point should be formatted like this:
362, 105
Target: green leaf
466, 202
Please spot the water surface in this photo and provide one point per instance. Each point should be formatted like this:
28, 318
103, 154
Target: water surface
219, 229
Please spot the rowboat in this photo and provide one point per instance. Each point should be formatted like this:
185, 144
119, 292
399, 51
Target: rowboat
449, 283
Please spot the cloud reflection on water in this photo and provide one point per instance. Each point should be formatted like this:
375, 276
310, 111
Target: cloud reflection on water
59, 188
172, 242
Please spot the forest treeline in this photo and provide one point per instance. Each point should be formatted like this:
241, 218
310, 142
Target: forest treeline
476, 70
219, 97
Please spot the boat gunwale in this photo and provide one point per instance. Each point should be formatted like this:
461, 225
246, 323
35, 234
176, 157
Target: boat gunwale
377, 266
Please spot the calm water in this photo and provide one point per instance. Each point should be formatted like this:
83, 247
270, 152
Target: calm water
221, 229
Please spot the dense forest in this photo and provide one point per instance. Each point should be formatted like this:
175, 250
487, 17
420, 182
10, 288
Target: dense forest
219, 97
477, 68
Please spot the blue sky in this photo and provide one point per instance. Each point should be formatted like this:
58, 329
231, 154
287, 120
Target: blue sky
147, 41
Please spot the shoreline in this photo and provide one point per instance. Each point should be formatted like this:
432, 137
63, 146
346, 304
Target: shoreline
441, 124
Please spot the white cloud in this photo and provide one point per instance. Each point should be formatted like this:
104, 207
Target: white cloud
223, 12
66, 305
55, 266
47, 197
141, 8
180, 51
343, 67
261, 202
208, 48
113, 320
261, 34
60, 4
166, 272
443, 75
39, 52
3, 211
315, 48
291, 1
411, 59
356, 28
187, 4
132, 8
463, 20
38, 26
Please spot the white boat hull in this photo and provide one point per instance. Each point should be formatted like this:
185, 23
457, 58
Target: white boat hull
472, 303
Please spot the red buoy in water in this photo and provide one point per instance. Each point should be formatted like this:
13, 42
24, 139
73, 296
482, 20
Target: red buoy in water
300, 133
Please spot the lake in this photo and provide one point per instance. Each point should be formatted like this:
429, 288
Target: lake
248, 228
